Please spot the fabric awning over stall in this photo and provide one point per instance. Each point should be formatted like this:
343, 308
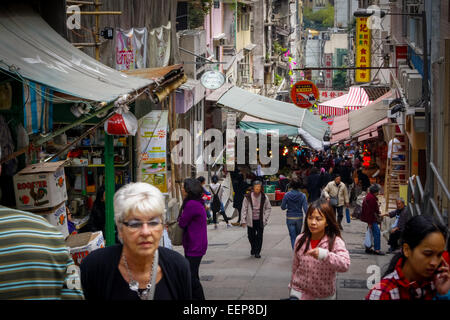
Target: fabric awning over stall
340, 130
30, 47
336, 106
277, 111
362, 119
252, 124
372, 131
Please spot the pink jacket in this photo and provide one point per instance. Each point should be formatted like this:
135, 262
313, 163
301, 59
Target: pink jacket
316, 278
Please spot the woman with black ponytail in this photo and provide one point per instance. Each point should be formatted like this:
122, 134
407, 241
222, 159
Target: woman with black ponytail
418, 271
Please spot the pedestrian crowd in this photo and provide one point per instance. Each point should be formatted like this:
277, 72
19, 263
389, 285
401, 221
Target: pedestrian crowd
36, 264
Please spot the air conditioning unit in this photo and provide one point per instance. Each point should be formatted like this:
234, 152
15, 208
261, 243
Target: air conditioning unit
193, 41
404, 76
413, 88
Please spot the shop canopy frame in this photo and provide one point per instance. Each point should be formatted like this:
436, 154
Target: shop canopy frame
30, 48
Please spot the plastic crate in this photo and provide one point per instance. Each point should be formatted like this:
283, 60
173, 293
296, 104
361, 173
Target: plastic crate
269, 189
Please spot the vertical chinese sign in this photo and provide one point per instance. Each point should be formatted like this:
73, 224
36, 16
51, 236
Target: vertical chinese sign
363, 43
230, 141
151, 143
328, 57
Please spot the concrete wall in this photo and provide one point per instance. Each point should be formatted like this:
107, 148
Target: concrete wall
337, 41
258, 39
343, 12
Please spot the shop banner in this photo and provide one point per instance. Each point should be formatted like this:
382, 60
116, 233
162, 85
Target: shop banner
328, 57
152, 146
230, 141
131, 48
325, 95
363, 44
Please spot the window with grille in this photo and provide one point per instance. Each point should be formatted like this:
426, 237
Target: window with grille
244, 69
245, 22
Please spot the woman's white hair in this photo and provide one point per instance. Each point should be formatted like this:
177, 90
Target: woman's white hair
138, 196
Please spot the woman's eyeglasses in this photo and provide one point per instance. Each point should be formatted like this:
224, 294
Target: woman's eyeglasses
137, 224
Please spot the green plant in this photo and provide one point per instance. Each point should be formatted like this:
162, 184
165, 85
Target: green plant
278, 48
321, 19
240, 8
340, 80
197, 11
278, 80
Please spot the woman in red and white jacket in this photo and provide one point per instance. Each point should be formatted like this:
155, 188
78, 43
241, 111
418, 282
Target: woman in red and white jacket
319, 253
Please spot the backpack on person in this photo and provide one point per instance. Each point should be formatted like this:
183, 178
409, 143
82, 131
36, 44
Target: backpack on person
216, 204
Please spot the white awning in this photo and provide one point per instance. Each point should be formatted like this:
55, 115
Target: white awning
371, 114
277, 111
250, 47
38, 53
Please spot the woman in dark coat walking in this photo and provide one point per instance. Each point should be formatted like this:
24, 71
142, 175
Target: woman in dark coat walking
313, 185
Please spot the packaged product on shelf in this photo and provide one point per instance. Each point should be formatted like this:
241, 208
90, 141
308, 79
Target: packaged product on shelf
81, 244
40, 186
57, 217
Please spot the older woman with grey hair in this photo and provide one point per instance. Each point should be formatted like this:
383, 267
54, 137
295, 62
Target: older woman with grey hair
137, 268
256, 210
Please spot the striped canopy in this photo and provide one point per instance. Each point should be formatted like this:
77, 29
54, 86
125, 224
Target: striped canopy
355, 99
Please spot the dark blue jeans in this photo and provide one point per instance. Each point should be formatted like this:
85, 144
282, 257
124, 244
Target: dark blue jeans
295, 228
376, 236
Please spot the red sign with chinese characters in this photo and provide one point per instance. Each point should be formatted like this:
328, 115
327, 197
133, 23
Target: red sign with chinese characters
326, 95
328, 57
304, 94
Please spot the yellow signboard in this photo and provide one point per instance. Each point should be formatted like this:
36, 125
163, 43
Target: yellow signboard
363, 43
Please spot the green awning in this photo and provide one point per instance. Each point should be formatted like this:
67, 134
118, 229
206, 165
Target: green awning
283, 130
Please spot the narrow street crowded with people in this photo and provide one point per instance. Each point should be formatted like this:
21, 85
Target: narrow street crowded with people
238, 158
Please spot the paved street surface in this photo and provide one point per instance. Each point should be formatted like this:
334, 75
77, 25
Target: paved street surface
228, 271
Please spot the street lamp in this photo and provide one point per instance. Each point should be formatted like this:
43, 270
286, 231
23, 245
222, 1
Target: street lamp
365, 13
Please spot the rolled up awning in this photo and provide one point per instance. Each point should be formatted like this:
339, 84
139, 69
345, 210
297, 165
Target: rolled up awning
31, 49
277, 111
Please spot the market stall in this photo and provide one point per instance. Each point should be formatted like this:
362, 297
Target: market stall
62, 102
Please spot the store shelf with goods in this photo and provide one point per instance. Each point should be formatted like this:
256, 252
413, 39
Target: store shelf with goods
117, 165
100, 146
86, 171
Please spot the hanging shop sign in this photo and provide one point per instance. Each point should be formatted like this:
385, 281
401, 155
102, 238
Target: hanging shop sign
212, 80
326, 95
304, 94
152, 142
131, 48
328, 57
362, 50
230, 141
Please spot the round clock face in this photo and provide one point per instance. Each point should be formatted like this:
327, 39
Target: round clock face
212, 80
